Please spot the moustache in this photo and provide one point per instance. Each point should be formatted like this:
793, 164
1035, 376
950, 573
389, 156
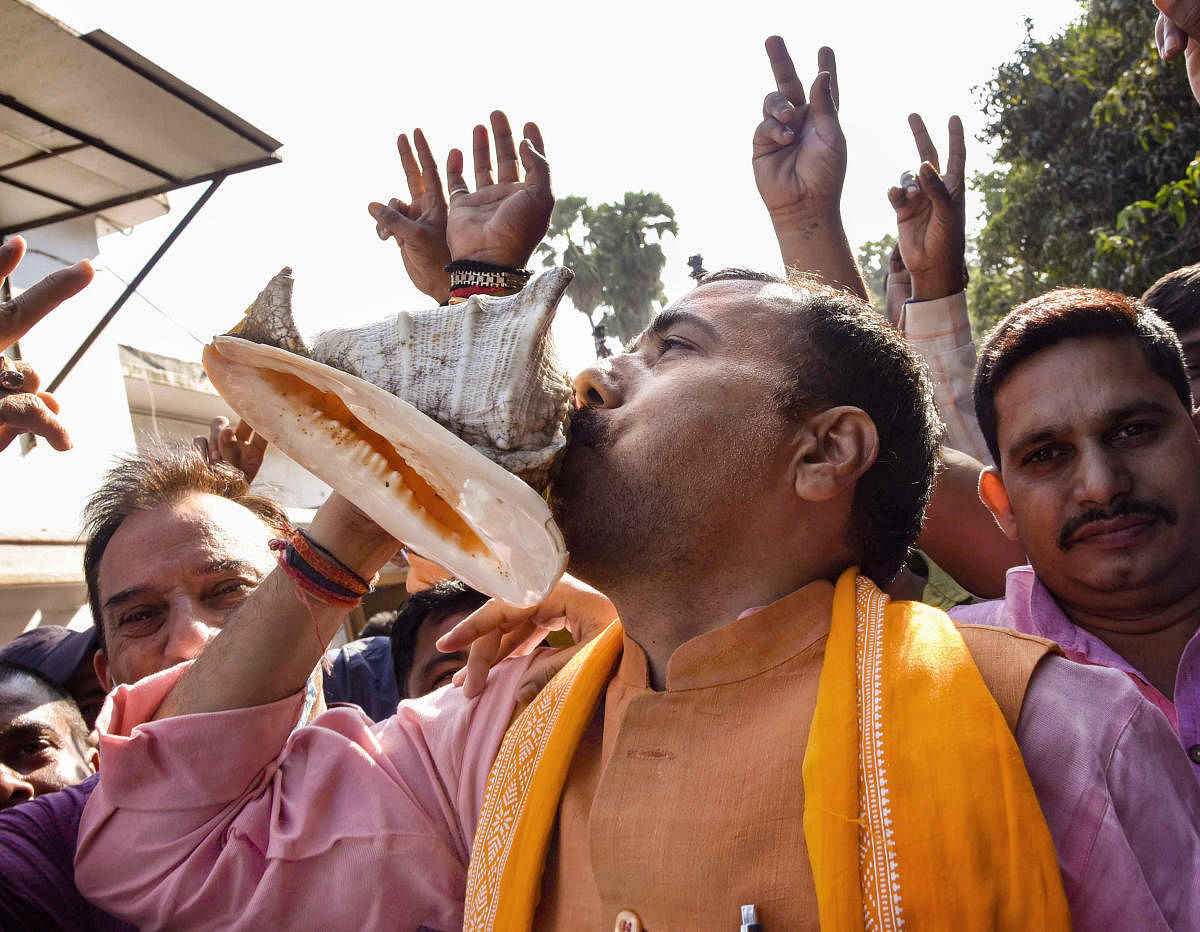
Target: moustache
588, 428
1132, 507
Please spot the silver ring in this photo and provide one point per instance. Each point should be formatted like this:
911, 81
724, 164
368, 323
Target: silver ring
463, 190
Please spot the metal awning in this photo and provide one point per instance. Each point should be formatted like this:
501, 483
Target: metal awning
89, 126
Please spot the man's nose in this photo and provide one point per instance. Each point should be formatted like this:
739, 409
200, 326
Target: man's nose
597, 387
191, 629
14, 788
1100, 477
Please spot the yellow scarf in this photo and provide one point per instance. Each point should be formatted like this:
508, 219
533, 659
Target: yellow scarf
924, 816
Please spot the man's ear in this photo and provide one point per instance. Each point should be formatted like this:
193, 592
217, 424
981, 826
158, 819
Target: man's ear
834, 448
103, 673
993, 494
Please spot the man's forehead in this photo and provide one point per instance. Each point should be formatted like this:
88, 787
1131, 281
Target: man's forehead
732, 308
189, 537
22, 697
1074, 385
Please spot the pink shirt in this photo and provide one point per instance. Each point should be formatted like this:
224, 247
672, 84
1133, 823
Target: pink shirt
353, 825
1029, 607
223, 821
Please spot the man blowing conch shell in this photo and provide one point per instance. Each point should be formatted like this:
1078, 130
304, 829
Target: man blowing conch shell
723, 481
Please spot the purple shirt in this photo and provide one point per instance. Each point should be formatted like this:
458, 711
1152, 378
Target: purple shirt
37, 865
1029, 607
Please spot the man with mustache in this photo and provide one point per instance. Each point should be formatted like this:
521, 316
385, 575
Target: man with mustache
1084, 400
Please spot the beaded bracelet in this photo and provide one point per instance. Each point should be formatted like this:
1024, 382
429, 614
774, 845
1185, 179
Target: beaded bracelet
475, 265
318, 572
469, 273
459, 295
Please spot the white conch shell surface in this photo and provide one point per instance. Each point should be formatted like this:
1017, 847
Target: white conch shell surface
413, 477
485, 369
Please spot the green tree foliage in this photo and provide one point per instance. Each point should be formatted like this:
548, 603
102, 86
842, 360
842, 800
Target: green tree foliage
1097, 177
873, 260
586, 290
615, 267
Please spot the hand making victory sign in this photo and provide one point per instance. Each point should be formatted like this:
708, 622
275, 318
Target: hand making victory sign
419, 226
799, 148
503, 219
931, 217
799, 159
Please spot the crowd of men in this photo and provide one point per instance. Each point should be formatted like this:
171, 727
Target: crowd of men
872, 628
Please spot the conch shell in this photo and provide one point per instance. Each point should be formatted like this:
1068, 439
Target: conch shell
378, 412
485, 369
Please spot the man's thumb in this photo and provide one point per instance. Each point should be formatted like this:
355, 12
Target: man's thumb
541, 672
390, 222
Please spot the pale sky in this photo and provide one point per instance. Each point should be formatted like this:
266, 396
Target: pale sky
630, 96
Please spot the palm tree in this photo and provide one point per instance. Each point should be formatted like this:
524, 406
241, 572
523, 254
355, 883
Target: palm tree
586, 290
631, 268
614, 267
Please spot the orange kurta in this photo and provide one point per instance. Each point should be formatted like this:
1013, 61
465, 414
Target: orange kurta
685, 804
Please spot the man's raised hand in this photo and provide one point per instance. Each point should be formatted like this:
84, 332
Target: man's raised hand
419, 226
24, 409
799, 159
504, 218
240, 447
931, 215
29, 411
799, 148
18, 316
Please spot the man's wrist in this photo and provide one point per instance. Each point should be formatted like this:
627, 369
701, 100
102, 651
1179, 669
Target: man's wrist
353, 538
502, 257
932, 287
803, 219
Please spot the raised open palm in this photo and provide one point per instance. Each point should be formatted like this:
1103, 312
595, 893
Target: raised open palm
504, 218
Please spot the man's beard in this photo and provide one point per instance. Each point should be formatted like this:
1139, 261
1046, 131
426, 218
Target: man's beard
581, 498
612, 517
656, 513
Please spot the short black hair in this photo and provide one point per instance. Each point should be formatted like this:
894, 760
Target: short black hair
10, 671
1176, 298
378, 625
841, 351
1071, 314
431, 605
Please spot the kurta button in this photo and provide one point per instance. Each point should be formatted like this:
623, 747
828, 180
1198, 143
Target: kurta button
1194, 753
628, 921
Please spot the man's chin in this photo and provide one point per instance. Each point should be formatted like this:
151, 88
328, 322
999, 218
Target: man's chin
1111, 573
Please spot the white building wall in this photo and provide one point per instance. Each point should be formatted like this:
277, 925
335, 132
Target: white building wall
107, 414
55, 485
